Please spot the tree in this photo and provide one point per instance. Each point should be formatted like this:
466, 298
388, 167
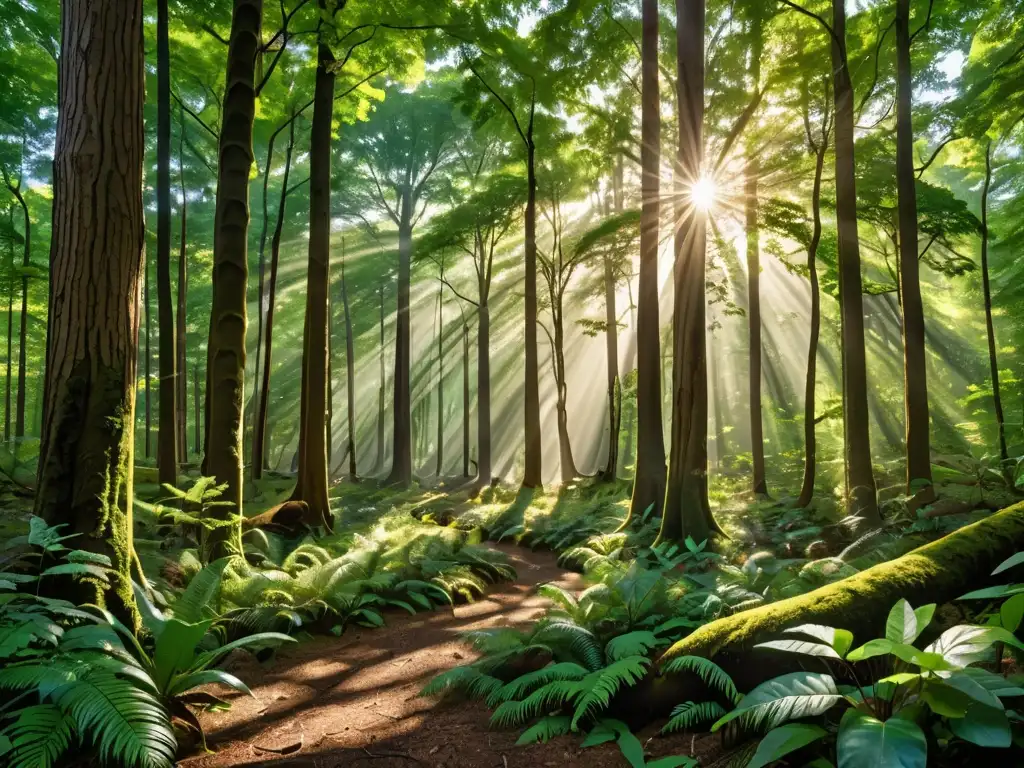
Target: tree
687, 512
86, 451
649, 477
403, 154
990, 333
225, 366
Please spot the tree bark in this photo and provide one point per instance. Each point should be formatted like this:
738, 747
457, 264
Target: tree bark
810, 385
649, 475
181, 379
378, 463
860, 482
612, 360
465, 398
198, 411
440, 382
86, 452
533, 476
10, 330
256, 463
919, 468
167, 448
687, 510
225, 375
19, 417
350, 374
311, 483
401, 462
260, 444
990, 331
148, 355
483, 393
567, 464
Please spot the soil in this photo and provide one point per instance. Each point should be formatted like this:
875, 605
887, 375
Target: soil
352, 701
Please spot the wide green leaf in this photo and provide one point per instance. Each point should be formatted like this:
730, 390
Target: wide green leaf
194, 605
984, 726
802, 647
992, 593
176, 649
546, 729
866, 742
185, 683
788, 697
1010, 562
38, 738
780, 741
967, 643
1011, 612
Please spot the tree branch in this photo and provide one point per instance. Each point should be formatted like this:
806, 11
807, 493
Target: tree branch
194, 116
942, 145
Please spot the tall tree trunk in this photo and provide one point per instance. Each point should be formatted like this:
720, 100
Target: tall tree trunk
993, 361
860, 481
612, 360
465, 398
378, 463
96, 254
919, 468
401, 462
19, 417
350, 376
197, 415
167, 447
810, 441
567, 464
483, 393
330, 375
181, 380
10, 329
440, 382
260, 444
649, 475
753, 233
256, 466
533, 475
311, 483
149, 357
225, 374
687, 511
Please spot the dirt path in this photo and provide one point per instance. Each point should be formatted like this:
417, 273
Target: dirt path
352, 701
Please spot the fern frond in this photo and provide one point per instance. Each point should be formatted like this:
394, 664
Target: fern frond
559, 596
553, 695
716, 678
580, 641
468, 679
545, 730
600, 686
631, 644
39, 737
524, 684
687, 716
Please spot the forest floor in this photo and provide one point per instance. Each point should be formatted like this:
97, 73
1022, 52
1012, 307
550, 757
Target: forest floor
353, 700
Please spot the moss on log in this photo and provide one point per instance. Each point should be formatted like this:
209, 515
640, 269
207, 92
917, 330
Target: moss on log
938, 572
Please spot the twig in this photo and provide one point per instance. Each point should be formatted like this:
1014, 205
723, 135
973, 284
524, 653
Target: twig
375, 755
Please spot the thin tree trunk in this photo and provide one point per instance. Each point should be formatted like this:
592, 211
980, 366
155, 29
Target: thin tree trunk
350, 376
146, 371
167, 448
440, 382
311, 483
225, 374
860, 482
181, 380
993, 361
465, 398
330, 376
649, 474
19, 417
919, 468
260, 444
86, 450
810, 441
533, 476
257, 465
483, 393
567, 464
10, 329
401, 462
378, 463
687, 510
198, 411
612, 362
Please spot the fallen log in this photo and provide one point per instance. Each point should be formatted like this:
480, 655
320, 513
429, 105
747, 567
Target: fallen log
288, 518
938, 572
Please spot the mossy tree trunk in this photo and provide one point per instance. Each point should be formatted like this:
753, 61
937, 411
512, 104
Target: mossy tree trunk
86, 451
860, 481
311, 484
935, 573
649, 476
225, 385
687, 511
167, 445
919, 463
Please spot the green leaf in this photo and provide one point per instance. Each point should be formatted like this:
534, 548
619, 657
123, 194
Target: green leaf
866, 742
606, 682
787, 697
1011, 612
802, 647
208, 658
975, 690
38, 738
905, 624
1010, 562
713, 675
966, 644
599, 734
991, 593
545, 730
629, 744
673, 761
185, 683
194, 604
984, 726
780, 741
945, 700
993, 683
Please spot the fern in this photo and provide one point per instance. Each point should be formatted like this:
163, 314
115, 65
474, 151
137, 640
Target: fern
600, 686
468, 679
716, 678
525, 684
39, 737
545, 730
687, 716
580, 641
552, 696
631, 644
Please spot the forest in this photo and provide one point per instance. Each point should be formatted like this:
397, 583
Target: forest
512, 383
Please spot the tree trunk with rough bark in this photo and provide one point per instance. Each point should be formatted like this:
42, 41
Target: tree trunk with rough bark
465, 398
260, 445
687, 510
919, 467
483, 393
350, 377
990, 331
181, 379
611, 467
860, 481
378, 463
311, 483
225, 374
533, 476
649, 475
19, 416
401, 449
86, 450
147, 353
10, 330
167, 437
440, 382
